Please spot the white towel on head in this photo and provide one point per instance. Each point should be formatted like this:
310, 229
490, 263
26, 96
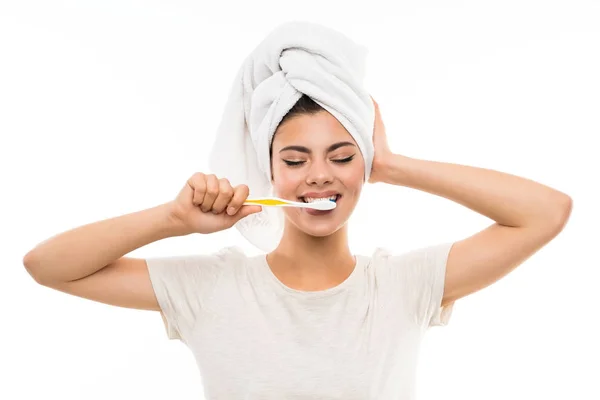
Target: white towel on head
296, 58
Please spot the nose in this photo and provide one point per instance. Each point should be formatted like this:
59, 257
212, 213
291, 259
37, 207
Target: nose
319, 173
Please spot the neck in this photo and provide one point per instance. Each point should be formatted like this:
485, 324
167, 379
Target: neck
309, 256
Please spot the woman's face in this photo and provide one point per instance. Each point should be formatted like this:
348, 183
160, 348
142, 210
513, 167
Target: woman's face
308, 156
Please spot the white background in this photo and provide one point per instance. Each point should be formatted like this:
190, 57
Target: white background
107, 107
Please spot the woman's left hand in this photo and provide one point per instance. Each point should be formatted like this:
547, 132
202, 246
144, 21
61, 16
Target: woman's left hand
382, 150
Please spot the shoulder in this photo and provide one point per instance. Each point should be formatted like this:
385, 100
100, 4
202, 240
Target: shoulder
229, 255
416, 279
429, 255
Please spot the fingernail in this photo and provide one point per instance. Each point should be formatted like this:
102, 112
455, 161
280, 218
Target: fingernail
230, 210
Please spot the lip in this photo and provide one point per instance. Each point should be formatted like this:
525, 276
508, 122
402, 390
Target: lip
310, 211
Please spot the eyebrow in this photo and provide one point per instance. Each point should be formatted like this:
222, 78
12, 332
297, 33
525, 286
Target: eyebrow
308, 151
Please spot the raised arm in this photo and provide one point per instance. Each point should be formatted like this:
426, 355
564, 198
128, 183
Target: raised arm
84, 250
89, 261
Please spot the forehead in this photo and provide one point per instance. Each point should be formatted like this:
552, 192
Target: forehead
315, 130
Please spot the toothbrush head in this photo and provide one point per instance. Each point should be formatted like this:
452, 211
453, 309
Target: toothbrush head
324, 205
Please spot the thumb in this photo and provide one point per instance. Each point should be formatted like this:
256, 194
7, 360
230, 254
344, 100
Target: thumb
247, 210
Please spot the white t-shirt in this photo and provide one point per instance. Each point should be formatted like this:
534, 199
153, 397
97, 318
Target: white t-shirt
255, 338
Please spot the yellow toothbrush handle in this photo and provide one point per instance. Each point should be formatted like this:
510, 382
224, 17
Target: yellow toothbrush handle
266, 202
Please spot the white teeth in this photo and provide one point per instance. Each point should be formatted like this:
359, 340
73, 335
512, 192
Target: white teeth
311, 199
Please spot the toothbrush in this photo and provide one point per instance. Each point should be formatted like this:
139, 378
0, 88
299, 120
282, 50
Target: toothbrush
276, 201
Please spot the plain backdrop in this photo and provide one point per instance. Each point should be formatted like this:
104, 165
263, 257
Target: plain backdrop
106, 108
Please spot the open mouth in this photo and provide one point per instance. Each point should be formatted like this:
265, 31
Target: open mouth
337, 197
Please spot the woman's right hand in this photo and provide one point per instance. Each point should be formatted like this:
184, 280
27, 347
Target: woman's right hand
202, 206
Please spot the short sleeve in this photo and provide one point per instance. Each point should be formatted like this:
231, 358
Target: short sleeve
182, 284
420, 277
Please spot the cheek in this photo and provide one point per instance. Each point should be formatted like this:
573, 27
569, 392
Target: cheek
286, 181
353, 177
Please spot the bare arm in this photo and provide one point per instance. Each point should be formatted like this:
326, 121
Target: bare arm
84, 250
89, 261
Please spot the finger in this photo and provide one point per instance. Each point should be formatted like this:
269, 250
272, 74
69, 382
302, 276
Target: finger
212, 190
197, 183
239, 196
224, 197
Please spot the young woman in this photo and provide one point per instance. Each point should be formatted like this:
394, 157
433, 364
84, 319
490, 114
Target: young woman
310, 319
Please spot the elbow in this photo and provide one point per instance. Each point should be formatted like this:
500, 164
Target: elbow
29, 262
562, 214
566, 206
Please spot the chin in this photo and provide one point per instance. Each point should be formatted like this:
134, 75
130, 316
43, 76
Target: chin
320, 232
319, 228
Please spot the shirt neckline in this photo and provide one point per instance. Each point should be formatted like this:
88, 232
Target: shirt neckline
313, 294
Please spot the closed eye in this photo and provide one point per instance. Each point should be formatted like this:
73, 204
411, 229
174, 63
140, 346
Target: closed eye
342, 161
